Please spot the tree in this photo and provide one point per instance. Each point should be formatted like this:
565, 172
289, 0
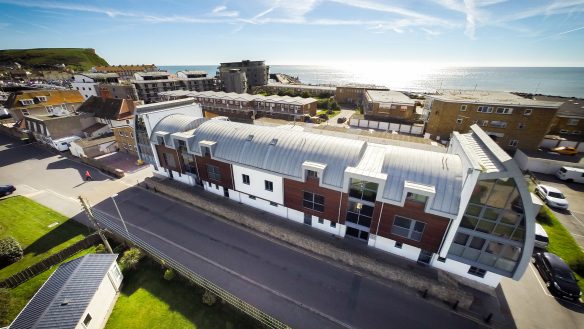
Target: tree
169, 274
131, 258
10, 251
304, 94
334, 106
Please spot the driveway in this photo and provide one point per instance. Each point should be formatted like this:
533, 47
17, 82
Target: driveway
344, 113
573, 219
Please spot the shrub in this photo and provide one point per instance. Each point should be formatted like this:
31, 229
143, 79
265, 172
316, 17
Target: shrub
209, 298
544, 216
169, 274
577, 265
10, 251
304, 94
131, 258
100, 249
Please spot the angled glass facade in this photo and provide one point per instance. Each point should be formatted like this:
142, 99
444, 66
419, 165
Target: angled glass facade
491, 234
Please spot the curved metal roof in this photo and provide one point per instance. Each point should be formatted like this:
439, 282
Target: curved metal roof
443, 171
280, 150
174, 123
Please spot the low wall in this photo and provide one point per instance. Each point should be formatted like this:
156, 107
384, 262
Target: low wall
442, 288
387, 126
544, 166
110, 170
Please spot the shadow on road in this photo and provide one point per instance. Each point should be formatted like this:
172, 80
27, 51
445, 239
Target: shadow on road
15, 154
572, 306
65, 163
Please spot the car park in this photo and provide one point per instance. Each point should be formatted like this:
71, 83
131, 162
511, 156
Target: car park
552, 196
557, 275
6, 190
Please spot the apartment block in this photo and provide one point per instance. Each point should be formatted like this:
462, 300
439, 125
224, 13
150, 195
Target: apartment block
311, 90
257, 73
42, 102
125, 72
466, 211
88, 83
123, 90
354, 94
512, 121
569, 120
389, 106
234, 81
150, 84
246, 107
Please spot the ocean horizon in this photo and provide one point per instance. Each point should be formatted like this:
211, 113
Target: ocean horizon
554, 81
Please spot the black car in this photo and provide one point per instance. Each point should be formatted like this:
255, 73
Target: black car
557, 275
6, 190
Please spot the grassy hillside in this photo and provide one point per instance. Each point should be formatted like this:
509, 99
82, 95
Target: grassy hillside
75, 58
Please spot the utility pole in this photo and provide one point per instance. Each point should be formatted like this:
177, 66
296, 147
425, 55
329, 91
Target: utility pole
92, 219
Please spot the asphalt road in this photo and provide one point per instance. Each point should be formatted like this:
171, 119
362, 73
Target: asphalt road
296, 288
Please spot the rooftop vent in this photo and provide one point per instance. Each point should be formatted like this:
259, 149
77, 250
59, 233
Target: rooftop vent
274, 141
249, 138
65, 301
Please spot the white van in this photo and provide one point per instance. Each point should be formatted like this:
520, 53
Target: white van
571, 174
541, 237
62, 144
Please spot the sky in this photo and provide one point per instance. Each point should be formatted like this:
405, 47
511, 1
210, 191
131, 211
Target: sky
320, 32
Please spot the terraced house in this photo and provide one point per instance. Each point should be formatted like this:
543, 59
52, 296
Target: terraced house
466, 211
42, 102
511, 120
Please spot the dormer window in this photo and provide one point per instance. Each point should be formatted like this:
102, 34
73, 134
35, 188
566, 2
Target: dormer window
26, 102
160, 140
413, 197
41, 98
311, 174
206, 151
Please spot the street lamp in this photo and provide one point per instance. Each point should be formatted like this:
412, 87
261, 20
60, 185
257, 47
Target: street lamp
120, 214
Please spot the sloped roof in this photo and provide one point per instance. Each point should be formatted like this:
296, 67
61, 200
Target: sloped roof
240, 97
54, 97
279, 150
105, 108
93, 128
63, 299
93, 141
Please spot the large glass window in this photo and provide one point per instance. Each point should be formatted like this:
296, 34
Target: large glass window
408, 228
313, 201
360, 189
214, 173
359, 213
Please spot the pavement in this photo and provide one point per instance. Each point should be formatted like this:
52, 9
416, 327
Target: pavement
120, 160
573, 218
301, 290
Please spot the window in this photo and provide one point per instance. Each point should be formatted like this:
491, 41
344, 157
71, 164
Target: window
573, 122
477, 271
462, 108
214, 173
269, 186
398, 245
527, 111
273, 204
521, 125
504, 110
485, 109
483, 123
363, 190
245, 179
26, 101
313, 201
459, 120
416, 198
206, 151
498, 124
408, 228
252, 197
87, 320
576, 132
42, 98
320, 220
441, 259
564, 131
513, 143
311, 174
333, 224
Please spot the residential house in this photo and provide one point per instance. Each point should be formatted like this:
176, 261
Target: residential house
79, 294
114, 116
42, 102
296, 89
257, 73
58, 131
389, 106
246, 107
513, 121
93, 146
88, 83
467, 211
569, 120
125, 72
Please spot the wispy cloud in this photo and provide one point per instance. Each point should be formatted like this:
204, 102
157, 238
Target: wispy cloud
561, 33
221, 11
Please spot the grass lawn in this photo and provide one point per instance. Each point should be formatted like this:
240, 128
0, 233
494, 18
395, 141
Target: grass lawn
561, 241
23, 293
28, 222
319, 112
149, 300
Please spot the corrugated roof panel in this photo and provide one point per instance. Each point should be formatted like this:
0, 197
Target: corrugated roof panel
174, 123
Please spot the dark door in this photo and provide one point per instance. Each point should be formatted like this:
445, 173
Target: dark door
225, 192
425, 257
307, 219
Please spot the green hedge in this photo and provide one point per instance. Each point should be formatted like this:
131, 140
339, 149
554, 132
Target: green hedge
10, 251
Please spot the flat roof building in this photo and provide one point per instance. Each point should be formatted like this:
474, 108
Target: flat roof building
389, 106
257, 73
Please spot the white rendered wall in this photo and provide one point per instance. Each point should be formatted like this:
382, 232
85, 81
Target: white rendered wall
214, 188
264, 205
100, 305
491, 279
296, 215
406, 251
183, 178
256, 185
326, 226
87, 92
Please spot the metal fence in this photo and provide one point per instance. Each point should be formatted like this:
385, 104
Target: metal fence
114, 225
34, 270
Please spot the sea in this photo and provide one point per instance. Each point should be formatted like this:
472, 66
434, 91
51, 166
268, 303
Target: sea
555, 81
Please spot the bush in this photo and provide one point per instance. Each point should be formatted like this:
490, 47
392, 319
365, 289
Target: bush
100, 249
544, 216
10, 251
130, 259
169, 274
209, 298
577, 265
304, 94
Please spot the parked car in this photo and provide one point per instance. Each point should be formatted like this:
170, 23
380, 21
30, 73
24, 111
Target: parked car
6, 190
557, 275
341, 120
552, 196
566, 150
570, 174
541, 237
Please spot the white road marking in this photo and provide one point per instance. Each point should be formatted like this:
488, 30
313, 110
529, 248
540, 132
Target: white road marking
61, 195
577, 219
542, 285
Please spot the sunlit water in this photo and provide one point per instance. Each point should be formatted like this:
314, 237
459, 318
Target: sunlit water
560, 81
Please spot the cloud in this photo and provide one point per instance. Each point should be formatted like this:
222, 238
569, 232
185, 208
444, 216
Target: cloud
221, 11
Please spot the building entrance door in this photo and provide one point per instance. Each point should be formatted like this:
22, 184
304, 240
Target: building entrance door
425, 257
225, 192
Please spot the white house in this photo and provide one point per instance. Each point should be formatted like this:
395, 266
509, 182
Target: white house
80, 294
88, 83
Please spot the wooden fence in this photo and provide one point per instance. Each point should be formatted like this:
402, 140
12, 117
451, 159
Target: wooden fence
34, 270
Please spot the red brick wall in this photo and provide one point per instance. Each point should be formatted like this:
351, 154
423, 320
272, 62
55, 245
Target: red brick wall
333, 200
224, 169
434, 230
171, 153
